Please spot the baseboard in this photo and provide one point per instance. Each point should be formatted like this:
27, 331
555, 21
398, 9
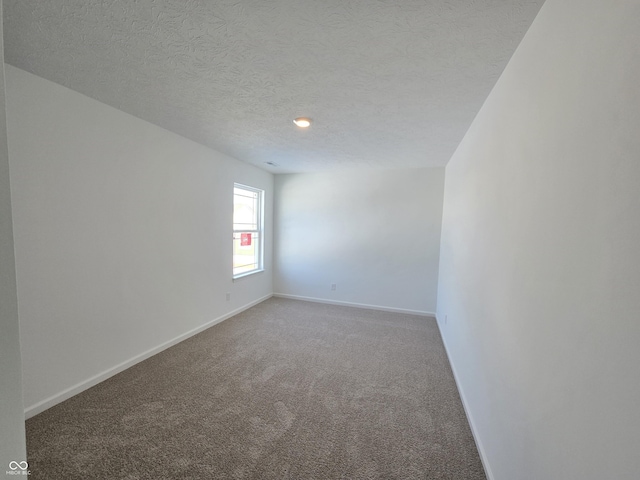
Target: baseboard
483, 456
357, 305
90, 382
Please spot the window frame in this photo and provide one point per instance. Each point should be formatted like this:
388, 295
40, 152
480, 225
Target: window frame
259, 231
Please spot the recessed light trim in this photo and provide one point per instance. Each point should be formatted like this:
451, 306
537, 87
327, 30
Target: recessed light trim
302, 122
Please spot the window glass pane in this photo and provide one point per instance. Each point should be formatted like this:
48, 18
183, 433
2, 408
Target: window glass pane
245, 210
246, 252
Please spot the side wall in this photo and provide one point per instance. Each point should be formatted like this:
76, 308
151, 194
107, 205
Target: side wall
374, 234
122, 237
539, 300
12, 439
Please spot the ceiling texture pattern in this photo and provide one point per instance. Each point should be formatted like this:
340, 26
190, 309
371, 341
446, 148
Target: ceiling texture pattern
388, 83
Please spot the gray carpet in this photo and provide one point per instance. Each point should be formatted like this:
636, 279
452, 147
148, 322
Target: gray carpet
284, 390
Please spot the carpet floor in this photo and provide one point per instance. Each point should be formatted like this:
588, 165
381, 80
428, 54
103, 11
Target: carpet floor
284, 390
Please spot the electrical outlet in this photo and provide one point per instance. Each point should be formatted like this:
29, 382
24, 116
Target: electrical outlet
445, 319
228, 296
333, 286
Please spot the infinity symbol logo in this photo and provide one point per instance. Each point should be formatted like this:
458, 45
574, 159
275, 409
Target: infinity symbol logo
13, 465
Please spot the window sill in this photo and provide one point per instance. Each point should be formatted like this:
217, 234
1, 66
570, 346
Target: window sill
247, 274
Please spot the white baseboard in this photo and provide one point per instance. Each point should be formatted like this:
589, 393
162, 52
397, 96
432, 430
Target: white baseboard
357, 305
90, 382
483, 456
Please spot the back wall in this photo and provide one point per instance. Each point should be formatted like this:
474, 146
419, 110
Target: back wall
374, 234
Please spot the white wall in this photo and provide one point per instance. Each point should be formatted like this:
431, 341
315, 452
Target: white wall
540, 262
122, 236
375, 234
12, 437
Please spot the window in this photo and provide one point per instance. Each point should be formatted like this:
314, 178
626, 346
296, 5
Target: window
247, 230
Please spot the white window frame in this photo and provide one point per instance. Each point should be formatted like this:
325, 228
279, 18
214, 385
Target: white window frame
259, 232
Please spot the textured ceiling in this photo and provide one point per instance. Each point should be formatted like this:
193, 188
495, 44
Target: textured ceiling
388, 83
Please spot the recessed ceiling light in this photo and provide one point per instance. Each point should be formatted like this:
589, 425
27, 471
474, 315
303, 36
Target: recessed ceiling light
302, 122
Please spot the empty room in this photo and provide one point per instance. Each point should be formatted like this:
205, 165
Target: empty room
314, 240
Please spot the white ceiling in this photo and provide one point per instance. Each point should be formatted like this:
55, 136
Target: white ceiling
388, 83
